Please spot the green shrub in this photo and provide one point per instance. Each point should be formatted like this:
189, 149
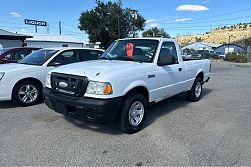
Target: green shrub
236, 57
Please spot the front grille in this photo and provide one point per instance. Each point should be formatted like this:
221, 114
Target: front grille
70, 85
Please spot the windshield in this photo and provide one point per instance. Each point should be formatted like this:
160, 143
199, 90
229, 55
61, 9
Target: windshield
3, 50
39, 57
139, 50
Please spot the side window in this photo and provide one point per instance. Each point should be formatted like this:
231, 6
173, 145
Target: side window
66, 57
16, 55
168, 53
85, 55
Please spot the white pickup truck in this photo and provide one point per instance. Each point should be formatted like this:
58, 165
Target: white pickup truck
131, 74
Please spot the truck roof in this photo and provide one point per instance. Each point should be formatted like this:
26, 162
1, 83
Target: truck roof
152, 38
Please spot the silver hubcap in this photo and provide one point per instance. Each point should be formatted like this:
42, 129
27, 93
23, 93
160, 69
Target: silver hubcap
28, 93
136, 113
198, 89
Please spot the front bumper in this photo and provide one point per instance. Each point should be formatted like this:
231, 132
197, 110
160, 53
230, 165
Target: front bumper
97, 110
5, 92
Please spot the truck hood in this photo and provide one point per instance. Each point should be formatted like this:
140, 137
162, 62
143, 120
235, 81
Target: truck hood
13, 67
104, 69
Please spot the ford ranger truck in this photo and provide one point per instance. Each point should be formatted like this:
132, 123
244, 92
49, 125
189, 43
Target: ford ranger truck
131, 74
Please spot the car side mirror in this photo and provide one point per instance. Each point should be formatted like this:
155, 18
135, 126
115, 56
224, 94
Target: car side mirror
54, 64
165, 60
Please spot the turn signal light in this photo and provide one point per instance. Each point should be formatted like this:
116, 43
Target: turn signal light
108, 89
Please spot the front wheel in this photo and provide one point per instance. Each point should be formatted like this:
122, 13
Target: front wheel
195, 93
133, 114
27, 93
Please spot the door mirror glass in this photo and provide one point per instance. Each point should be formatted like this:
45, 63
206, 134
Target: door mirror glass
165, 60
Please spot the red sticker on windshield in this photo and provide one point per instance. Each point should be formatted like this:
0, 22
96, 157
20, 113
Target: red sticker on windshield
129, 49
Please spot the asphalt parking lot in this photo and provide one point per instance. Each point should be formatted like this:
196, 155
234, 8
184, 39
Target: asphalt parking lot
213, 131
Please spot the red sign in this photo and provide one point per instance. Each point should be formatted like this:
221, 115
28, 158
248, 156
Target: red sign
129, 49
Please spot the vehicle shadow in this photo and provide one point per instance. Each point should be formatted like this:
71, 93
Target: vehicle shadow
107, 128
155, 111
10, 104
169, 105
7, 104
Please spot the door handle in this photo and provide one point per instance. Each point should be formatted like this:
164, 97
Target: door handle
180, 69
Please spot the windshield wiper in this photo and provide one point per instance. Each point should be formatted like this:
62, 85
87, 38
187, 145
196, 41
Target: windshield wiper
127, 59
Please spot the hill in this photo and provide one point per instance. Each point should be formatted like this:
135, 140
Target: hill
239, 34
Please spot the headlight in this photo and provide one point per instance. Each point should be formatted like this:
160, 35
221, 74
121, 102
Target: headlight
99, 88
48, 81
1, 75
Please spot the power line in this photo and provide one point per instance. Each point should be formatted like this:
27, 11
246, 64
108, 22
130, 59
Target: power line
211, 21
224, 14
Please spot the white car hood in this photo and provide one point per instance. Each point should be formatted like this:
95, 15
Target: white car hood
13, 67
103, 69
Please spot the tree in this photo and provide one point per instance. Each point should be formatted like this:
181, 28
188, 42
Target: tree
109, 21
154, 32
198, 39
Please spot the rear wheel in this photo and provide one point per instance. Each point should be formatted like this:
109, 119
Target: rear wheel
133, 113
27, 93
195, 93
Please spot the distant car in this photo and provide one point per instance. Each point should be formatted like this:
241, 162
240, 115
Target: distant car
222, 56
196, 56
23, 82
186, 56
13, 55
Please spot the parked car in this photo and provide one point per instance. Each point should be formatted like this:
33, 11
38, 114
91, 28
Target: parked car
131, 74
13, 55
23, 82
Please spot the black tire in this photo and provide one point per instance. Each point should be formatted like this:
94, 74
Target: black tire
20, 85
191, 94
124, 121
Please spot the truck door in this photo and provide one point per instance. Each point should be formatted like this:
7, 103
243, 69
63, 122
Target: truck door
170, 76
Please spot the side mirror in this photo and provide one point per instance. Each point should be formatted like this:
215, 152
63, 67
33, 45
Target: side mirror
54, 64
165, 60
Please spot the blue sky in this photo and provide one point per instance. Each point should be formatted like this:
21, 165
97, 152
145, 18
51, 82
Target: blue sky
176, 17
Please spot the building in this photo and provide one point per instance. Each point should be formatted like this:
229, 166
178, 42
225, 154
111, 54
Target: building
9, 39
46, 41
226, 48
202, 46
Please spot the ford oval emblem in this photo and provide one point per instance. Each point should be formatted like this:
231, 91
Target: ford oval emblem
63, 84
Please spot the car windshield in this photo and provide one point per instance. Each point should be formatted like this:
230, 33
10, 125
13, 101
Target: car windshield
38, 57
3, 50
139, 50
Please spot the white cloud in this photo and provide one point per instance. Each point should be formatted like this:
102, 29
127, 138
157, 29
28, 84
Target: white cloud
193, 8
183, 19
15, 14
152, 23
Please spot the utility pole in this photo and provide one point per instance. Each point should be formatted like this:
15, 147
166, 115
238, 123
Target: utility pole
118, 28
36, 28
59, 25
229, 41
48, 28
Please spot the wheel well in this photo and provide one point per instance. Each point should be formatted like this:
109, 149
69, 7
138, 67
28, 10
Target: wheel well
201, 76
28, 79
141, 90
